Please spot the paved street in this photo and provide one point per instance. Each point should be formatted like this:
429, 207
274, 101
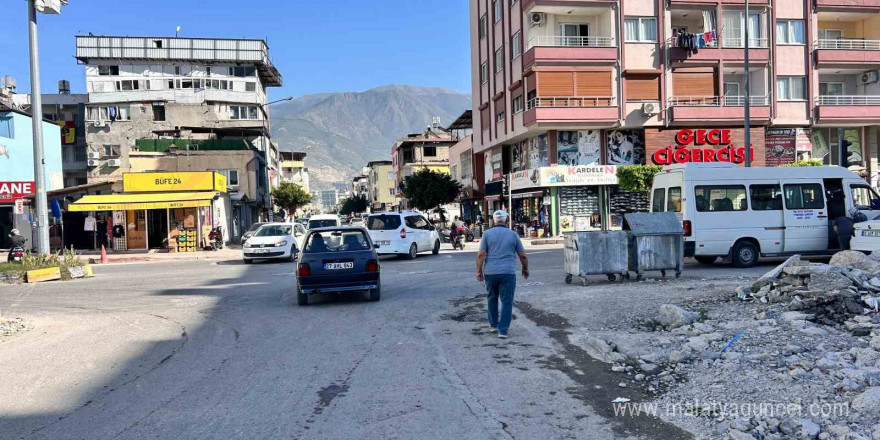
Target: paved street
201, 349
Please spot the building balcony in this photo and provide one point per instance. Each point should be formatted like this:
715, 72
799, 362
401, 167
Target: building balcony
730, 49
719, 109
528, 5
597, 110
564, 49
848, 4
847, 51
852, 108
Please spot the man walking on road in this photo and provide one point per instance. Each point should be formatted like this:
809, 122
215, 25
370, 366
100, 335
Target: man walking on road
496, 264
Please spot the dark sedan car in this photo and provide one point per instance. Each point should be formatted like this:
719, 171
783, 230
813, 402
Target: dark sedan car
337, 259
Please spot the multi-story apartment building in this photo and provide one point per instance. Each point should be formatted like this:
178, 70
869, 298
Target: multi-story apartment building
293, 169
165, 95
329, 198
381, 184
580, 82
428, 150
467, 168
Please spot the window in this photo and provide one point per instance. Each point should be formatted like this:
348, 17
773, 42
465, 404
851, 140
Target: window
383, 222
733, 32
390, 175
242, 71
516, 45
416, 222
110, 150
157, 44
499, 59
250, 86
766, 197
830, 34
572, 33
831, 89
429, 151
108, 113
791, 88
231, 176
517, 104
391, 192
641, 29
790, 32
484, 73
499, 117
804, 196
159, 112
208, 71
243, 112
721, 198
658, 200
863, 196
108, 70
130, 85
484, 26
454, 172
673, 203
186, 84
7, 128
499, 10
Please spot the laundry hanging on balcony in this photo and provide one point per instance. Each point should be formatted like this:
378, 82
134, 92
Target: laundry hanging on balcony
694, 41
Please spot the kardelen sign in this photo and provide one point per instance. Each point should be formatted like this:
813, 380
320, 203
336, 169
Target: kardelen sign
702, 145
11, 191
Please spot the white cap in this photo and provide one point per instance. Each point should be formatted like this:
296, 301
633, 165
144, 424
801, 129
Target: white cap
500, 215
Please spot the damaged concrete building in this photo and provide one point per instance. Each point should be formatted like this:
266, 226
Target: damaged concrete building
182, 104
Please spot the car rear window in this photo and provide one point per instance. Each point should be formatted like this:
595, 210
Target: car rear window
383, 222
313, 224
337, 241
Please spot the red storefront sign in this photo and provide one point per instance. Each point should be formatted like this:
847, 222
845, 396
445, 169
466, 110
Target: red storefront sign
10, 191
702, 145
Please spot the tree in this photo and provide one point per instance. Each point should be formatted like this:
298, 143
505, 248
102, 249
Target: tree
355, 203
290, 196
637, 178
427, 189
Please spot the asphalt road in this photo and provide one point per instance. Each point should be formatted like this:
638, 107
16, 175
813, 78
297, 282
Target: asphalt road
204, 350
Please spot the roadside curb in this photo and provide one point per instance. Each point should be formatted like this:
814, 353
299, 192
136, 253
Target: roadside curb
53, 274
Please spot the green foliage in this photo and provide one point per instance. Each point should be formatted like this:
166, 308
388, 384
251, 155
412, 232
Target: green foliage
805, 163
64, 259
427, 189
354, 204
290, 196
637, 178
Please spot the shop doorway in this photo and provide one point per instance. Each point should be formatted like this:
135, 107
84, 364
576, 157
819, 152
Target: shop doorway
5, 226
157, 228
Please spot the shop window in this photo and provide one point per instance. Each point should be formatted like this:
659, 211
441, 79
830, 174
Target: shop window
766, 197
804, 196
658, 200
863, 196
721, 198
673, 202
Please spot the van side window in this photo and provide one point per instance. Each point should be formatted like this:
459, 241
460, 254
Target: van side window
804, 196
720, 198
658, 200
862, 196
673, 203
766, 197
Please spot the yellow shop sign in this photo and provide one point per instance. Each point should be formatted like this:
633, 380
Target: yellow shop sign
169, 182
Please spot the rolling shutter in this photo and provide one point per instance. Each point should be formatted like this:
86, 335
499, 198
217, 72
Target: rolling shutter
695, 82
555, 84
642, 87
595, 84
484, 118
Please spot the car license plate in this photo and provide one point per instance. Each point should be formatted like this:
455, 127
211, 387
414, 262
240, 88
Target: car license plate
336, 266
262, 251
384, 243
871, 233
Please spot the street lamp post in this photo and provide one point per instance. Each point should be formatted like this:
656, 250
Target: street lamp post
748, 134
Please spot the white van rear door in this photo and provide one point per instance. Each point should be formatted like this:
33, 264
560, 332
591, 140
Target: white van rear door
806, 216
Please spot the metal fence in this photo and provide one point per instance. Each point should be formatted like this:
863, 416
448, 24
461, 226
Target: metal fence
848, 100
580, 101
847, 44
562, 41
717, 101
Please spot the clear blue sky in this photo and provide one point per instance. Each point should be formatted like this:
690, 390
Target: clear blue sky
318, 45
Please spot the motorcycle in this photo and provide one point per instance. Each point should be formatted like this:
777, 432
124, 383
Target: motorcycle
216, 238
446, 235
16, 254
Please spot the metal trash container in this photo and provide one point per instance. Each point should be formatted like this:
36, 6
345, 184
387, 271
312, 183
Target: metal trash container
656, 242
595, 252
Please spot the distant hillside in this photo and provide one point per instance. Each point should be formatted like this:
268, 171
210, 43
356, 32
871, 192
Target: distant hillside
341, 132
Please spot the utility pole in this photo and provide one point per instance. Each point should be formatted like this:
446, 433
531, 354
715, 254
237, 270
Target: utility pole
748, 122
41, 220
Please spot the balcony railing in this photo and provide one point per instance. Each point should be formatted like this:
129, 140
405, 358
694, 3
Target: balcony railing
572, 102
717, 101
848, 100
672, 42
561, 41
845, 44
735, 42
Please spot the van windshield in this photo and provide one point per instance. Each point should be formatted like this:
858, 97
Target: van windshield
383, 222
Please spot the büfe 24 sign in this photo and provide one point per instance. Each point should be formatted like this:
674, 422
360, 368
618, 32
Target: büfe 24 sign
11, 191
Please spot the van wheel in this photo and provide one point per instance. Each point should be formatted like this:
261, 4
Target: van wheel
745, 254
413, 252
436, 247
702, 259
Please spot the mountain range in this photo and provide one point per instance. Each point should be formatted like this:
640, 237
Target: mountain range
341, 132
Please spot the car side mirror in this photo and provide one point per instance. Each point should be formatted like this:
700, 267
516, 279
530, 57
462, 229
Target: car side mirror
375, 246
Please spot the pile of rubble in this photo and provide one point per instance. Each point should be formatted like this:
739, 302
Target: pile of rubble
9, 327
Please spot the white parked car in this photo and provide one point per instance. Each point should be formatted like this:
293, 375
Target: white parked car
324, 221
274, 241
403, 233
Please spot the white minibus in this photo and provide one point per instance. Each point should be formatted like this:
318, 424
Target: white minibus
742, 214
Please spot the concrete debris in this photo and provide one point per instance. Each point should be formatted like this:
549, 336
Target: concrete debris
9, 327
672, 316
856, 260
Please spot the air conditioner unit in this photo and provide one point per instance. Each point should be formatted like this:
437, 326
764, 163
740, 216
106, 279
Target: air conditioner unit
94, 155
869, 77
650, 108
98, 123
537, 18
114, 163
93, 162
